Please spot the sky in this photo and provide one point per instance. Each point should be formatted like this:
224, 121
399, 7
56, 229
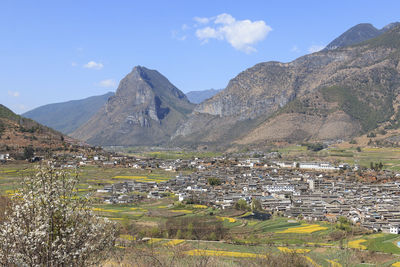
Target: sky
55, 51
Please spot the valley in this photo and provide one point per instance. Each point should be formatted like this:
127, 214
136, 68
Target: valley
293, 163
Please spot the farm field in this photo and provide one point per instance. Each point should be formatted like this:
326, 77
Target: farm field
178, 154
244, 238
388, 156
91, 177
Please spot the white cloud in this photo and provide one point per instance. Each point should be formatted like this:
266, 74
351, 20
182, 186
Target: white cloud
93, 65
13, 93
295, 49
224, 19
201, 20
108, 83
315, 48
241, 34
207, 33
74, 64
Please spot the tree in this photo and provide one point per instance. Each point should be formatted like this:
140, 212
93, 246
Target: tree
50, 225
241, 204
256, 205
28, 152
214, 181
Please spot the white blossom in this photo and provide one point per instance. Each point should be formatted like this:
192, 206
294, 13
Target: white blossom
49, 225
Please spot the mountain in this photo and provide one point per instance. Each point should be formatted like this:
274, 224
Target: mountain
357, 34
199, 96
328, 95
145, 110
68, 116
17, 133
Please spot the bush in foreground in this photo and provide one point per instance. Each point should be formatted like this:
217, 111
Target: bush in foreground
50, 225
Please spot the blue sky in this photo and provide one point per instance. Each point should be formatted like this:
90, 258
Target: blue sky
54, 51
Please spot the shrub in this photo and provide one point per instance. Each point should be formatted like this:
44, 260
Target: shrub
50, 225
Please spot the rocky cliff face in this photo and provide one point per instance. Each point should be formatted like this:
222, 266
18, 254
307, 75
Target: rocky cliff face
332, 94
145, 110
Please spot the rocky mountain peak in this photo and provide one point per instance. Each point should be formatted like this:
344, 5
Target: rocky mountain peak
145, 110
390, 26
356, 34
359, 33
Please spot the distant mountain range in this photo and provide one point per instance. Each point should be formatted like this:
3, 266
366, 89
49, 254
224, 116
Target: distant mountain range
197, 97
347, 89
66, 117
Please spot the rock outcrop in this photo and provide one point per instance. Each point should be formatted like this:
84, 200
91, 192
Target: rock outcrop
331, 94
146, 110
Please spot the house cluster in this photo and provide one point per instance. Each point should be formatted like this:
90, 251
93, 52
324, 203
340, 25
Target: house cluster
4, 157
314, 191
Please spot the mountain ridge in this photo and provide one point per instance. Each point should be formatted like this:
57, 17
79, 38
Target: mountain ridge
145, 110
357, 34
297, 101
74, 112
17, 133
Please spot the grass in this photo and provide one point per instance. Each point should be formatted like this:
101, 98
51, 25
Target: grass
384, 243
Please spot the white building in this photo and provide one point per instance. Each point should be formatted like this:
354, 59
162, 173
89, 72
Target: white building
394, 229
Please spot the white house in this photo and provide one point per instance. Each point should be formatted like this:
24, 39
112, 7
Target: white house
394, 229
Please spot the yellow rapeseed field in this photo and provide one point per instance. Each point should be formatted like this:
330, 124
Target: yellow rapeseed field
130, 177
199, 206
174, 242
312, 261
143, 179
231, 220
336, 264
220, 253
297, 250
154, 240
304, 229
396, 264
185, 211
104, 210
357, 244
319, 244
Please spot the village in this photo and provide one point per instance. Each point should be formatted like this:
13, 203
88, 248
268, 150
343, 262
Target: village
318, 191
315, 191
